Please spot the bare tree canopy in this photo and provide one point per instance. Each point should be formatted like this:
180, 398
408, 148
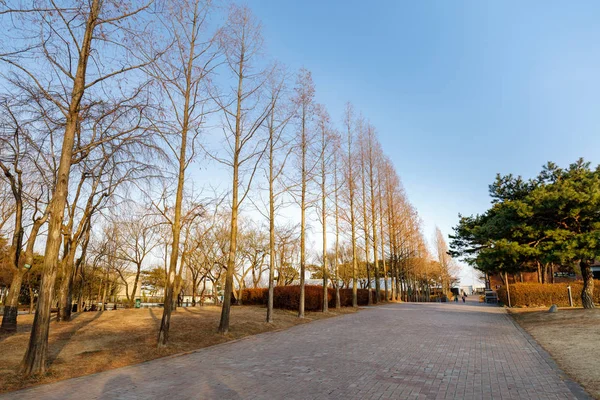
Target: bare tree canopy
152, 151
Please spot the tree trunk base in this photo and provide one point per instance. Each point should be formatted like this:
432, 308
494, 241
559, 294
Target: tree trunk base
587, 301
9, 320
587, 294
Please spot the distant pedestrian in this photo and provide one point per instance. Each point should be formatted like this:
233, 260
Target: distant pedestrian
464, 296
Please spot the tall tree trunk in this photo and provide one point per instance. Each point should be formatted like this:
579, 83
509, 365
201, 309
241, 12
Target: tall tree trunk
338, 304
324, 217
403, 289
370, 292
79, 265
371, 162
194, 292
398, 284
271, 290
135, 284
165, 323
64, 306
303, 216
104, 291
587, 294
374, 229
11, 304
177, 287
34, 361
366, 228
271, 223
545, 273
225, 311
352, 222
80, 297
385, 271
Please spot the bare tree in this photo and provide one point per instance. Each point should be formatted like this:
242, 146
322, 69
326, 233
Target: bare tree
372, 149
336, 189
181, 74
288, 244
254, 250
364, 200
106, 167
351, 187
394, 197
195, 211
448, 267
11, 134
325, 158
304, 99
138, 237
244, 111
380, 195
207, 250
71, 44
277, 121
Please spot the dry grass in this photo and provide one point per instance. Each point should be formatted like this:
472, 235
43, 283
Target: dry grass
572, 337
94, 342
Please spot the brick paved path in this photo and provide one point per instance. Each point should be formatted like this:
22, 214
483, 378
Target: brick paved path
396, 351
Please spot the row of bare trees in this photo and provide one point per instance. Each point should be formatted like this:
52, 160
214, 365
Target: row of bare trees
108, 112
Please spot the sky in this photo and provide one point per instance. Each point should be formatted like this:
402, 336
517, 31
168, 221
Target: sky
458, 90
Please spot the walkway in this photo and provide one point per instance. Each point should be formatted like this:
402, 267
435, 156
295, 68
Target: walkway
396, 351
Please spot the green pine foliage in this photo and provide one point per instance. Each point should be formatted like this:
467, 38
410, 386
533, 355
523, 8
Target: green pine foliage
552, 218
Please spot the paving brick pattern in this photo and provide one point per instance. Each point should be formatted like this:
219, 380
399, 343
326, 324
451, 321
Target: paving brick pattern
396, 351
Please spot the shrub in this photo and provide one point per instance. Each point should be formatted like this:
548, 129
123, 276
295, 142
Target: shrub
346, 297
288, 297
539, 294
255, 297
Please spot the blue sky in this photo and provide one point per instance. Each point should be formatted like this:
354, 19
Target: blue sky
458, 90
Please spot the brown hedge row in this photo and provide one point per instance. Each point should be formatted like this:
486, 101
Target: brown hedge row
362, 297
288, 297
255, 297
538, 294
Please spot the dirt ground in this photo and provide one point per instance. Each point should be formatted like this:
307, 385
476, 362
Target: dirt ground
571, 336
94, 341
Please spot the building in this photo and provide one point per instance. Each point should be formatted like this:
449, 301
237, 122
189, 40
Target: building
124, 283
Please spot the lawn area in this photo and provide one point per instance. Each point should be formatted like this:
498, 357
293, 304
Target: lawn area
94, 342
572, 337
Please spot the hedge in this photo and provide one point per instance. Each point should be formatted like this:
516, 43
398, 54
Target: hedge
288, 297
255, 297
539, 294
362, 297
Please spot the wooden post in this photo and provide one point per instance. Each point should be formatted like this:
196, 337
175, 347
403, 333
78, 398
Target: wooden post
570, 296
507, 289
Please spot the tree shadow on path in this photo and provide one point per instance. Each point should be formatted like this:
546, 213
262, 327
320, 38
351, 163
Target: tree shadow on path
119, 387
